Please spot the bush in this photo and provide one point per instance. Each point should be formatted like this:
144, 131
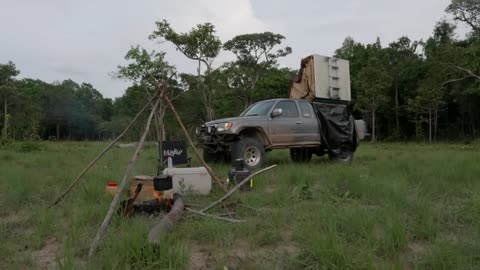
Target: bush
30, 146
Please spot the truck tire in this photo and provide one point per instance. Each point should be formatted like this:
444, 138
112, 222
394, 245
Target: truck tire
344, 157
250, 150
300, 154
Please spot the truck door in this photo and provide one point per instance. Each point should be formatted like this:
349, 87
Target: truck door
283, 127
308, 129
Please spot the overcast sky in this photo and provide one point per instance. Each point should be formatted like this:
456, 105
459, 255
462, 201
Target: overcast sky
85, 40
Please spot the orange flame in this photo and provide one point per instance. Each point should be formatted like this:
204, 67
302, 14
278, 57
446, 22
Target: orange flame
159, 195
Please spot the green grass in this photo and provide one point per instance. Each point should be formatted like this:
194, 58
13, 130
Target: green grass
398, 206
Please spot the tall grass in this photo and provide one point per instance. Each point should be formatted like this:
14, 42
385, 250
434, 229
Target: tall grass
398, 206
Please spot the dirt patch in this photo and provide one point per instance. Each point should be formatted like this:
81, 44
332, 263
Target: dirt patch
45, 258
288, 246
201, 258
270, 189
290, 249
240, 249
414, 252
238, 254
16, 219
416, 248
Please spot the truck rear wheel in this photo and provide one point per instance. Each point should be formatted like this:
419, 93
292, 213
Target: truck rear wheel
300, 154
250, 150
343, 157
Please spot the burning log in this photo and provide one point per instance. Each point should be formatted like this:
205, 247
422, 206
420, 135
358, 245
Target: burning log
166, 224
128, 210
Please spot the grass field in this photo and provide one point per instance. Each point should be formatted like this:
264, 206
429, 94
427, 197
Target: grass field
398, 206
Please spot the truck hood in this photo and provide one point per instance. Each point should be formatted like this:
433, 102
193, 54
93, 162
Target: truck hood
233, 120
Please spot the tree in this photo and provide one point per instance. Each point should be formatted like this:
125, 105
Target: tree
255, 56
467, 11
427, 102
373, 81
148, 70
357, 54
405, 66
199, 44
28, 107
7, 73
455, 66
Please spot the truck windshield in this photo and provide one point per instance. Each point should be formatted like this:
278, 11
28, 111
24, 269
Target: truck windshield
258, 109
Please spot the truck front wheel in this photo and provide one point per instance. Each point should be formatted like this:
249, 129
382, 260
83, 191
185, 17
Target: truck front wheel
300, 154
250, 150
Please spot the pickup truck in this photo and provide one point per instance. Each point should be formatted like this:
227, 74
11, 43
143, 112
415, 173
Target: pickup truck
267, 125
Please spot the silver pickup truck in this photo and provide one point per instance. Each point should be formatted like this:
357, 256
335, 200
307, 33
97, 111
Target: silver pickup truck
266, 125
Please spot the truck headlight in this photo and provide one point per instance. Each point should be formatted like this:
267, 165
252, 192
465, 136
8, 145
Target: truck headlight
224, 126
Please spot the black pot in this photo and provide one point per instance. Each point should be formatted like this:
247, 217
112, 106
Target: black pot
162, 182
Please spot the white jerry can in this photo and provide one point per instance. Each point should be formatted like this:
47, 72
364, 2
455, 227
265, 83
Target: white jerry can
195, 180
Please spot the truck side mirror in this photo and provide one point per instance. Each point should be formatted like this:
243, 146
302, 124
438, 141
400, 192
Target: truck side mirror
277, 112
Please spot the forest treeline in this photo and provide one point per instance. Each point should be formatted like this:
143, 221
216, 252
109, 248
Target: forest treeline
423, 90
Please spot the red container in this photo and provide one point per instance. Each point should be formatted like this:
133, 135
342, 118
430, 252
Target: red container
112, 188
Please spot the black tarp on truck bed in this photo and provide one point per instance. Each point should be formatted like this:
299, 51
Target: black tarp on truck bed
337, 127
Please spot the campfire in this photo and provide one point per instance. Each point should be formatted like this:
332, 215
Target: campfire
148, 195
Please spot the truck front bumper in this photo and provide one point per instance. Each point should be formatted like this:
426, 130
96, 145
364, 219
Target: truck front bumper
208, 136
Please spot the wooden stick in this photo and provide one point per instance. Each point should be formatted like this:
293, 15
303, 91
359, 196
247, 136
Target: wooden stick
200, 213
121, 187
103, 152
195, 151
159, 141
158, 115
226, 196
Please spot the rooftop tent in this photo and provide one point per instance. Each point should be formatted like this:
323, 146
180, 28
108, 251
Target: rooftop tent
325, 81
322, 77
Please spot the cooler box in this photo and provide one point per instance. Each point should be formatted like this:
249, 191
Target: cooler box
189, 180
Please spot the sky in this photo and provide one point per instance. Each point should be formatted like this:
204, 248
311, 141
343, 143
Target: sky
86, 40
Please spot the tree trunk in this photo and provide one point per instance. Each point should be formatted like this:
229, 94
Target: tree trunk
397, 120
435, 125
474, 129
167, 223
430, 125
373, 126
5, 119
57, 128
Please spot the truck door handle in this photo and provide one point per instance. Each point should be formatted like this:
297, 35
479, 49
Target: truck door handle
298, 122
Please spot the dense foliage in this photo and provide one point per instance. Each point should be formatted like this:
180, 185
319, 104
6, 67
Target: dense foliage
408, 90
